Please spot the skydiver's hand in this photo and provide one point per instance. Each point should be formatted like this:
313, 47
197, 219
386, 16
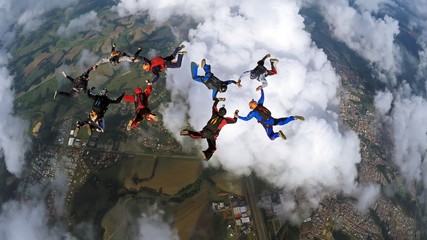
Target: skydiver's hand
236, 113
221, 99
267, 55
92, 88
258, 88
64, 74
238, 84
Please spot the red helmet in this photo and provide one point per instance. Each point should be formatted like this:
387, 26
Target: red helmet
138, 90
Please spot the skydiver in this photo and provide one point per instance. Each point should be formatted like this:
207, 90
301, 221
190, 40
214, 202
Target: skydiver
159, 64
117, 57
100, 104
212, 128
141, 106
79, 84
260, 72
210, 80
263, 115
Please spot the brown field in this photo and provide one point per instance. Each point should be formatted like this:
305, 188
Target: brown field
148, 28
57, 55
140, 168
36, 62
74, 51
36, 127
172, 174
115, 221
138, 36
192, 213
229, 183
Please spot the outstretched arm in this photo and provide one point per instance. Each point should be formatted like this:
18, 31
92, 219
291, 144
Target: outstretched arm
88, 71
129, 98
230, 120
230, 82
214, 93
250, 115
233, 81
102, 61
149, 89
214, 107
117, 100
263, 81
68, 77
261, 99
244, 75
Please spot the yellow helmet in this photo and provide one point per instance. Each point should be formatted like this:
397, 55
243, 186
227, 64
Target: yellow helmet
93, 115
115, 53
145, 66
253, 104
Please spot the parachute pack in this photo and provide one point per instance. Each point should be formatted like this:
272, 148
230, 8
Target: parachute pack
213, 83
263, 112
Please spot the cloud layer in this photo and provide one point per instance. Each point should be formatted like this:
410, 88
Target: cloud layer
371, 37
153, 226
83, 23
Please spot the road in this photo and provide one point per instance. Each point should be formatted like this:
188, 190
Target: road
252, 196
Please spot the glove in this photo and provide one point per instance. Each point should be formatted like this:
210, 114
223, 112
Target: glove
221, 99
258, 88
236, 113
64, 74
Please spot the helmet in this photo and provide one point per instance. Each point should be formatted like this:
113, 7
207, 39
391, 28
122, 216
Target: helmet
103, 92
145, 66
223, 88
115, 53
138, 90
254, 74
222, 111
93, 115
253, 104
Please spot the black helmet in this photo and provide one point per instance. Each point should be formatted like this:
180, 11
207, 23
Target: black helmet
223, 88
103, 92
254, 74
222, 111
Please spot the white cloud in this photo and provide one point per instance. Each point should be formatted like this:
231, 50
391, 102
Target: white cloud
14, 142
86, 22
371, 6
409, 131
383, 101
27, 13
370, 37
27, 220
319, 157
153, 226
87, 59
366, 196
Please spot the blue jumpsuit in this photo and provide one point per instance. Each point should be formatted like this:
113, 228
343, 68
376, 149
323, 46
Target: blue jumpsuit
208, 78
268, 123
